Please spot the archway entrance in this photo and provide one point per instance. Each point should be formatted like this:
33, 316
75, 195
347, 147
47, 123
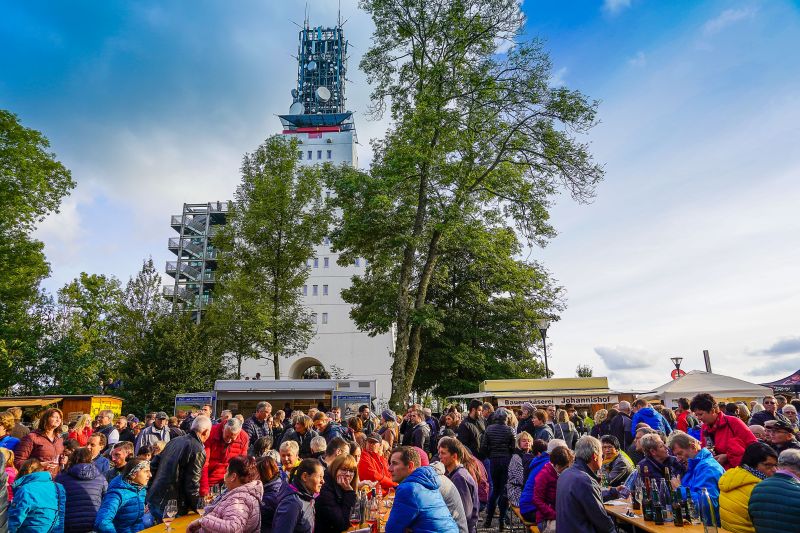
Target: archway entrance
308, 367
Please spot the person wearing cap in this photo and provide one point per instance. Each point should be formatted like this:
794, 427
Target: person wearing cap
157, 431
498, 446
727, 435
373, 466
780, 435
389, 429
526, 418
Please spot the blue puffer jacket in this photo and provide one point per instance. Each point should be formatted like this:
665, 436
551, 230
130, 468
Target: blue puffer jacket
703, 472
269, 503
331, 431
122, 509
85, 487
767, 515
526, 504
294, 512
38, 505
419, 507
652, 418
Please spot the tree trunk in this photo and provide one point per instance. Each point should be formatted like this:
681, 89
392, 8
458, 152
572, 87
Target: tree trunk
276, 360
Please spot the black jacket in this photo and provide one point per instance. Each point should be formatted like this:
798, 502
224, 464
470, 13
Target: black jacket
470, 433
333, 507
127, 435
620, 427
498, 441
176, 473
3, 495
526, 424
304, 441
421, 436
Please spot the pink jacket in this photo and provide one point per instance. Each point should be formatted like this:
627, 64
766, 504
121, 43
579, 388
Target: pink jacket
236, 512
544, 493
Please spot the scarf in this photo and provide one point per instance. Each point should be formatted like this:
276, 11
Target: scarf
611, 459
753, 471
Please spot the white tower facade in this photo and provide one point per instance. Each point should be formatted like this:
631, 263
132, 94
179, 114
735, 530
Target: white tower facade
326, 134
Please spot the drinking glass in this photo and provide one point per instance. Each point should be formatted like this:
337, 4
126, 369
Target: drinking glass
170, 511
201, 505
355, 515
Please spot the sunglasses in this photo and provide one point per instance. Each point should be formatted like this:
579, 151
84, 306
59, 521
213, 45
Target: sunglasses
768, 403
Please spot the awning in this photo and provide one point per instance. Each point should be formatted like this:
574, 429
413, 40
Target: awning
28, 402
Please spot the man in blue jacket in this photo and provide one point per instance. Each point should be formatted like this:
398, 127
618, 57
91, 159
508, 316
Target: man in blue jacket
644, 413
418, 506
702, 470
579, 499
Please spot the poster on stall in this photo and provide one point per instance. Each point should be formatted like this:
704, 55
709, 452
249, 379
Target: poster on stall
194, 401
349, 402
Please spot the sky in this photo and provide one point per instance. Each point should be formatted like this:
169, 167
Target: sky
691, 243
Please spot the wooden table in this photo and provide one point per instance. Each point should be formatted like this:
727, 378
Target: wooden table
617, 512
179, 524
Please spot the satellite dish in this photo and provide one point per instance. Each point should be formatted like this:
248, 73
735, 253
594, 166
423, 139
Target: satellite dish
311, 66
297, 108
294, 93
323, 93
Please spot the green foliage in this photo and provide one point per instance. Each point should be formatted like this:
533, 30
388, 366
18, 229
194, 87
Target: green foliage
277, 219
584, 371
478, 138
176, 356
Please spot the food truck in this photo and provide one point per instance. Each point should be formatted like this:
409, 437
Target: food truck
72, 405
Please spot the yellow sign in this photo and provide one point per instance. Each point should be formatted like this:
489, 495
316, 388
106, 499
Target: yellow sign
101, 404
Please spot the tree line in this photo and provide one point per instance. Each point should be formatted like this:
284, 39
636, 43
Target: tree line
457, 197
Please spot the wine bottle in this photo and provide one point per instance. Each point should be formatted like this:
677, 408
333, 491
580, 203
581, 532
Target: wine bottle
677, 511
647, 502
658, 510
665, 495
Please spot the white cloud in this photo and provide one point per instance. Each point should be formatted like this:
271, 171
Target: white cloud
727, 18
639, 60
623, 357
615, 6
782, 366
557, 78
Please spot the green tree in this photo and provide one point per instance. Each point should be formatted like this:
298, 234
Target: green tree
142, 305
584, 371
477, 136
485, 302
32, 185
176, 356
278, 217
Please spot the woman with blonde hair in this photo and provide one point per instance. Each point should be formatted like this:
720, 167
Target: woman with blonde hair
600, 426
82, 430
6, 427
565, 430
337, 497
744, 412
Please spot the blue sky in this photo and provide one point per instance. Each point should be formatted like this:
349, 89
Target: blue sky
692, 241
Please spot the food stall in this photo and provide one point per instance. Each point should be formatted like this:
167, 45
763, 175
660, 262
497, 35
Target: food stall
72, 405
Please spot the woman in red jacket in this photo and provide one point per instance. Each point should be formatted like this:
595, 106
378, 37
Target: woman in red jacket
373, 465
544, 491
727, 436
44, 444
82, 430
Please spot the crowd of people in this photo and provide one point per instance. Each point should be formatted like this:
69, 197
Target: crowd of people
296, 472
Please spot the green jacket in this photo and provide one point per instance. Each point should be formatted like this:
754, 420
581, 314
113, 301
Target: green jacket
767, 515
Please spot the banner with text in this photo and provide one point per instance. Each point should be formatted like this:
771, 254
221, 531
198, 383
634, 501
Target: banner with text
560, 400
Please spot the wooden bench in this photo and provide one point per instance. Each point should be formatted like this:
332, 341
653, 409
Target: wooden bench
529, 526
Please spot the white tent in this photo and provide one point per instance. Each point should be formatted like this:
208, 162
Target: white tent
697, 381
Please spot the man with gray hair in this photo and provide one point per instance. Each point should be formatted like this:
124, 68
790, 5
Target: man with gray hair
318, 447
225, 442
176, 471
775, 502
657, 457
257, 425
621, 425
579, 500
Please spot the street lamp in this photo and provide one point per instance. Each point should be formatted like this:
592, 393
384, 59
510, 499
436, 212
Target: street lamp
677, 362
543, 324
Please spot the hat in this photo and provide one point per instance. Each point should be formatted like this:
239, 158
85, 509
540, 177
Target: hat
388, 414
528, 406
161, 415
781, 425
133, 420
501, 414
374, 437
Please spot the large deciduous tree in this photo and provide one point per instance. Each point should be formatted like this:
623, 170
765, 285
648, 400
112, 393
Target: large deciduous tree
277, 219
478, 137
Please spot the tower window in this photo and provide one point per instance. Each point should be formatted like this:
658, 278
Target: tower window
314, 290
309, 154
319, 154
325, 263
327, 194
324, 318
305, 290
330, 154
324, 290
316, 262
358, 261
314, 318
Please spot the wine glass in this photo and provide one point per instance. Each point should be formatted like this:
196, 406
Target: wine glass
201, 505
170, 511
355, 515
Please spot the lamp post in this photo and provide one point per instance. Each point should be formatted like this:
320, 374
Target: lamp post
677, 362
543, 324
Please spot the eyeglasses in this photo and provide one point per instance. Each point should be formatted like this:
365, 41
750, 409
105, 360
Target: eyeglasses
770, 466
348, 471
768, 403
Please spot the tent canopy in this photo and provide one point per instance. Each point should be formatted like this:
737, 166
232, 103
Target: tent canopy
698, 381
787, 384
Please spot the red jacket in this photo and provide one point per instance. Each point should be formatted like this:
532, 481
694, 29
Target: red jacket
218, 454
730, 436
681, 421
373, 467
82, 437
544, 493
35, 445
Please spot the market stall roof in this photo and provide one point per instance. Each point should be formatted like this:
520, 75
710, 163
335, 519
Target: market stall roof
28, 402
698, 381
787, 384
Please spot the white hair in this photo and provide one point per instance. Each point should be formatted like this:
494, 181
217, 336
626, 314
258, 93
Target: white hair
588, 447
790, 459
318, 444
234, 425
625, 406
201, 424
552, 444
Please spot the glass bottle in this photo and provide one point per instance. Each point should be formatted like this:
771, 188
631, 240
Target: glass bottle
647, 502
658, 510
665, 496
677, 511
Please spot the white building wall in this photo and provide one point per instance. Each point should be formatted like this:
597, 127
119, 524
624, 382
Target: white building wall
337, 342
